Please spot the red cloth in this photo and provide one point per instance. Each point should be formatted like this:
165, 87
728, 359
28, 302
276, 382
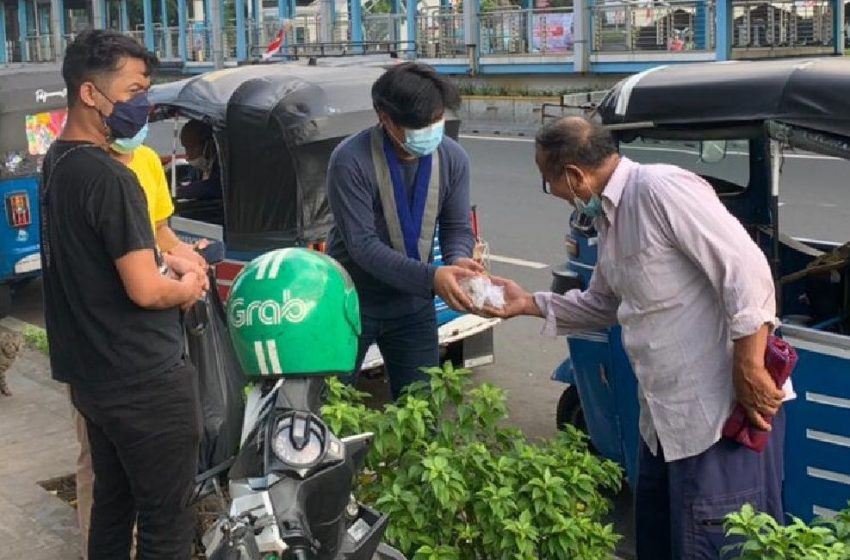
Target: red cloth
274, 46
779, 359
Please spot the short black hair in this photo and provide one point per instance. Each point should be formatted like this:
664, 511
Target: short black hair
196, 130
413, 95
574, 141
97, 52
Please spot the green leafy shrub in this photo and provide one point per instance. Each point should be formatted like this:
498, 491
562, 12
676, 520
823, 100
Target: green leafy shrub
458, 486
36, 338
764, 539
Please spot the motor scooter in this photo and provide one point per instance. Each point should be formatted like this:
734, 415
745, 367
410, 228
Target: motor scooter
289, 485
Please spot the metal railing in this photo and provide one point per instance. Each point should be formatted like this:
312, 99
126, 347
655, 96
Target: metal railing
439, 34
673, 26
522, 31
166, 42
783, 24
384, 27
38, 48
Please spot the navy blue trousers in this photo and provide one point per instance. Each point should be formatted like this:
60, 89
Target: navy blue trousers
680, 506
407, 344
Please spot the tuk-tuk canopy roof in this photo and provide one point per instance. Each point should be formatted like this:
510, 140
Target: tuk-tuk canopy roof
275, 128
342, 89
810, 93
27, 90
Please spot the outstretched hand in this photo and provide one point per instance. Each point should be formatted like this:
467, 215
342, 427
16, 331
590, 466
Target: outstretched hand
517, 301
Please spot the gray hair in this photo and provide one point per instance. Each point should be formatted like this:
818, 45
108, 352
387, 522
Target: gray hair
573, 141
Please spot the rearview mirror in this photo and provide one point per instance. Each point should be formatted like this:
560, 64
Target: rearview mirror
712, 151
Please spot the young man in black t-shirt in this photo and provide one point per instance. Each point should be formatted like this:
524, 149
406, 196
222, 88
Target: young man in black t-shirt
112, 316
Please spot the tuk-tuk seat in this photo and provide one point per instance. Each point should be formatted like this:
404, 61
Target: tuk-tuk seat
210, 211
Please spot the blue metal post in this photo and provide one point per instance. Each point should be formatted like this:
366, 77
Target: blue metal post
23, 30
221, 15
724, 29
148, 20
181, 30
283, 9
411, 27
355, 15
105, 13
241, 43
125, 17
837, 9
701, 26
4, 57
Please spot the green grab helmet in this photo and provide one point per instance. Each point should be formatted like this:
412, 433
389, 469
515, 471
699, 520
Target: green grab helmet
294, 312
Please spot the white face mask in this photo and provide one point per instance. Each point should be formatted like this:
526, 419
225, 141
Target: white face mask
200, 163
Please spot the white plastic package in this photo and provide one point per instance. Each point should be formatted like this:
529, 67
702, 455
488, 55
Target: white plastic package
483, 292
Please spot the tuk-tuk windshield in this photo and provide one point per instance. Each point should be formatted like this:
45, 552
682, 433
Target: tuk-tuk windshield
724, 163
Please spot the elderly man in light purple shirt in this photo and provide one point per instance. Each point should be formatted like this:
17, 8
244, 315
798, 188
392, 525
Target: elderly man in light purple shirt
695, 298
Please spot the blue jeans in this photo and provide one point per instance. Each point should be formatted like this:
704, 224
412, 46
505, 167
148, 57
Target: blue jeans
407, 344
680, 505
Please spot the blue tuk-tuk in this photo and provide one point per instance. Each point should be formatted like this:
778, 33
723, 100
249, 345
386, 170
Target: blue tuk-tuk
32, 115
733, 123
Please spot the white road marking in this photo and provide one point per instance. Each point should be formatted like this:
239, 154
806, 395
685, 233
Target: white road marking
518, 262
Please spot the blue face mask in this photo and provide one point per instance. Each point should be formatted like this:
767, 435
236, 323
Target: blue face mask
127, 117
592, 208
129, 145
422, 142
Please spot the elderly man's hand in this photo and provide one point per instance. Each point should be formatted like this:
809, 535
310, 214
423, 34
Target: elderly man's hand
757, 393
517, 301
755, 389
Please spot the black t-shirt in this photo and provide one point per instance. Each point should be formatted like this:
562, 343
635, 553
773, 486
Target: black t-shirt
93, 212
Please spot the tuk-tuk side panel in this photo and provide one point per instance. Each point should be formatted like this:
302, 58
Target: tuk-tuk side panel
817, 446
19, 246
589, 353
601, 370
625, 387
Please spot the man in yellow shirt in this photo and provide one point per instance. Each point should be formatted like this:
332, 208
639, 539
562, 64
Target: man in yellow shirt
146, 165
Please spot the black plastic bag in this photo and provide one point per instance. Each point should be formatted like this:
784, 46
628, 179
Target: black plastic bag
221, 381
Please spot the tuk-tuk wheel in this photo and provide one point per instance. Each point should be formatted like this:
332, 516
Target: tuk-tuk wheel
570, 411
5, 299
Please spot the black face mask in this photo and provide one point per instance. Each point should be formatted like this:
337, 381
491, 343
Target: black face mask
127, 117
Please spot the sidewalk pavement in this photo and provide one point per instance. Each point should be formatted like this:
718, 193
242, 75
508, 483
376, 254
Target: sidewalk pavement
37, 443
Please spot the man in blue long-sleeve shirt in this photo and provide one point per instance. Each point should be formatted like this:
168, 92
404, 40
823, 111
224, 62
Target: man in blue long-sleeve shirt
389, 187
